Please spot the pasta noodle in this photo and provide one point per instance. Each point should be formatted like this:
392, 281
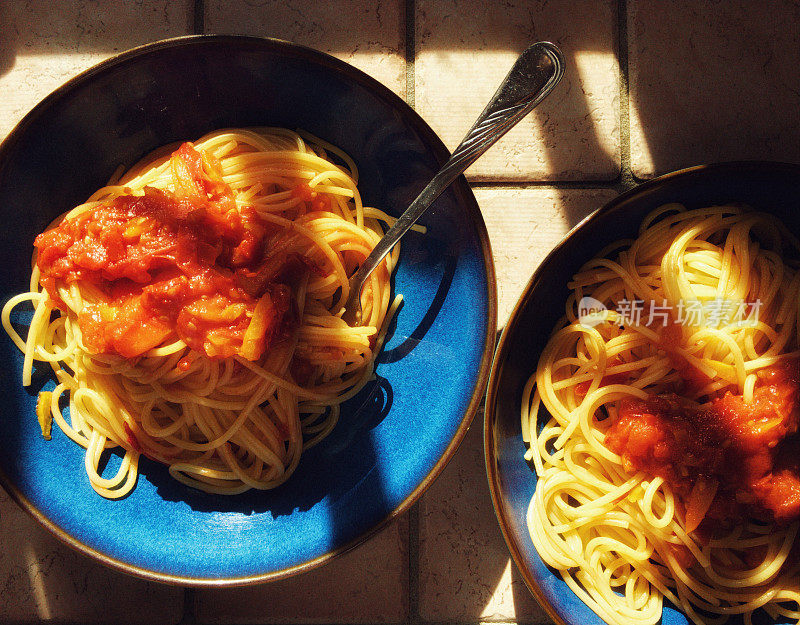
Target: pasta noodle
624, 395
268, 386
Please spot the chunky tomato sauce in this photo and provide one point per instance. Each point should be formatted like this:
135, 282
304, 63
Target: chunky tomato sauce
186, 263
728, 458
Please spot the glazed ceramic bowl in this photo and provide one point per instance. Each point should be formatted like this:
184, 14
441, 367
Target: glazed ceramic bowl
392, 439
770, 187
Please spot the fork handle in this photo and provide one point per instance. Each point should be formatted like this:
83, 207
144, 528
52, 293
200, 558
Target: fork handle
537, 70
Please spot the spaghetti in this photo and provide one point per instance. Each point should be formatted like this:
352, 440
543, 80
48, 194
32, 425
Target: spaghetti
665, 445
191, 310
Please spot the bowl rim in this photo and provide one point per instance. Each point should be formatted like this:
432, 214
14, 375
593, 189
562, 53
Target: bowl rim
490, 414
460, 187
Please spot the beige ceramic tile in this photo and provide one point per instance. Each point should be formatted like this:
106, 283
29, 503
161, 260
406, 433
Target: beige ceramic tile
43, 43
465, 48
366, 585
524, 225
369, 35
42, 580
465, 570
712, 81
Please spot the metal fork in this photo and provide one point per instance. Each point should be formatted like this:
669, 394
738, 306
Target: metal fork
537, 70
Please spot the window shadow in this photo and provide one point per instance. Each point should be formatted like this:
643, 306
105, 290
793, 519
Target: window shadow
727, 91
575, 128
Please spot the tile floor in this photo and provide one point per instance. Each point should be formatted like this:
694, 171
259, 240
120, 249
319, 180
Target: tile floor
650, 87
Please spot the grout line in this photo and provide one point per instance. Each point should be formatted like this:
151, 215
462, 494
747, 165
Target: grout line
411, 45
548, 184
199, 16
627, 180
413, 514
532, 620
189, 616
413, 565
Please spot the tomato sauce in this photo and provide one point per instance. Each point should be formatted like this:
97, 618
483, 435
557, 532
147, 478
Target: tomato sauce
186, 263
728, 458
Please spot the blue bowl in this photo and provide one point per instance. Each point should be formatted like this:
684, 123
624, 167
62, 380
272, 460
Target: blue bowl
770, 187
392, 439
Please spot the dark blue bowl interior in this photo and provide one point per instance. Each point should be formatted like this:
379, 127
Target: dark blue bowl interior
771, 187
392, 438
